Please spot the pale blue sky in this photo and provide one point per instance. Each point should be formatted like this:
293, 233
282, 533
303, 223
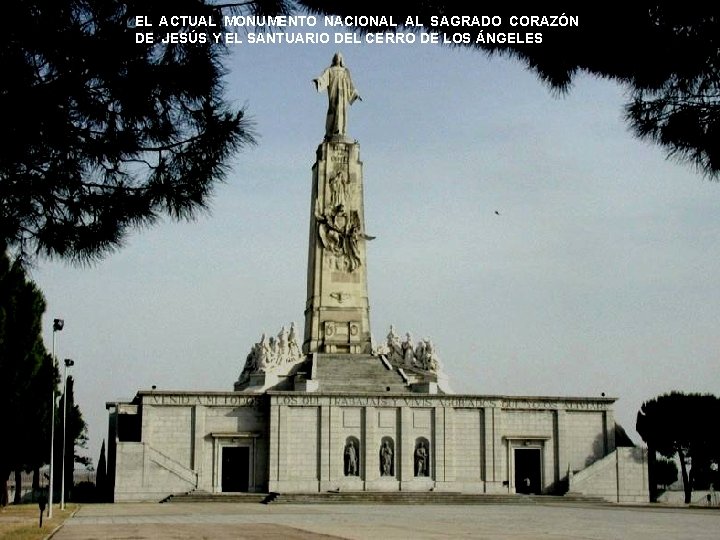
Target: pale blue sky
600, 274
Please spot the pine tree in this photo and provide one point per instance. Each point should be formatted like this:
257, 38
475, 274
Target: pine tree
27, 375
102, 134
683, 426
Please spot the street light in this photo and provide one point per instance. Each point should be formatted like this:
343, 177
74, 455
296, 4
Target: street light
68, 363
58, 325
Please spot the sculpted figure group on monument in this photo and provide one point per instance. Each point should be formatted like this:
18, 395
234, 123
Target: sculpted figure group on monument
421, 356
274, 352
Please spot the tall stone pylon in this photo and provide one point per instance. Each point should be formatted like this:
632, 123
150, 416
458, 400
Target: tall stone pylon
337, 311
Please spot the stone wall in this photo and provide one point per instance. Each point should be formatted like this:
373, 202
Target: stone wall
297, 442
471, 448
620, 477
588, 439
170, 430
302, 451
182, 437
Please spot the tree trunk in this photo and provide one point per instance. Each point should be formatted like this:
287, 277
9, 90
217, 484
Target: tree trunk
4, 496
69, 475
18, 487
36, 483
687, 485
652, 475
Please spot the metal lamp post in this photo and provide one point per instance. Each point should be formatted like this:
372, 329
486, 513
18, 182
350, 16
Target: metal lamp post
68, 363
58, 325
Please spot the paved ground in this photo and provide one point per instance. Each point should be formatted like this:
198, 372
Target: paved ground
507, 521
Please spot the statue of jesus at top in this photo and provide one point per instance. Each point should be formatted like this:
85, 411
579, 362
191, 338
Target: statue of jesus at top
341, 94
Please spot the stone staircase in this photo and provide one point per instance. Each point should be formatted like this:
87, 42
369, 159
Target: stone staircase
383, 497
355, 373
205, 497
170, 465
422, 497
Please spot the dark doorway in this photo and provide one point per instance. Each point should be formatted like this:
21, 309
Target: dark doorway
235, 467
527, 470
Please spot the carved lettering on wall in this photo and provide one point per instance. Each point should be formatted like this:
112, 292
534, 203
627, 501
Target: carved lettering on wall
446, 401
183, 399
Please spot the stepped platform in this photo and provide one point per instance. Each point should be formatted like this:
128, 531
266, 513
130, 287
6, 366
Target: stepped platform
384, 497
205, 497
356, 373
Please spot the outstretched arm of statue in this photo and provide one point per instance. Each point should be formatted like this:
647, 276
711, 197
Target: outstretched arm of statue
321, 83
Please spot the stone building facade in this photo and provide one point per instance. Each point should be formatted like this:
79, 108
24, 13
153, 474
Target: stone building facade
166, 442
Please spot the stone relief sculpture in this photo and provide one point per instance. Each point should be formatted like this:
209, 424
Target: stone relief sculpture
340, 232
341, 94
351, 459
386, 459
421, 356
421, 459
339, 186
273, 354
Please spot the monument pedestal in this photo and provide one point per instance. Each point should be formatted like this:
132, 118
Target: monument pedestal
336, 313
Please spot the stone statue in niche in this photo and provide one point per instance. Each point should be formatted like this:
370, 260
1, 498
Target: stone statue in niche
351, 459
341, 94
386, 459
421, 460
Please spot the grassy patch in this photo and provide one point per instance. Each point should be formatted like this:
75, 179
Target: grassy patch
20, 522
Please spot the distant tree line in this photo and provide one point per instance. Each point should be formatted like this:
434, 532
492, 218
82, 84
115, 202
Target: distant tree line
28, 378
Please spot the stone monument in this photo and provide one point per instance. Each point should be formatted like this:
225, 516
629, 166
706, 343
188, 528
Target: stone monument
335, 413
336, 312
